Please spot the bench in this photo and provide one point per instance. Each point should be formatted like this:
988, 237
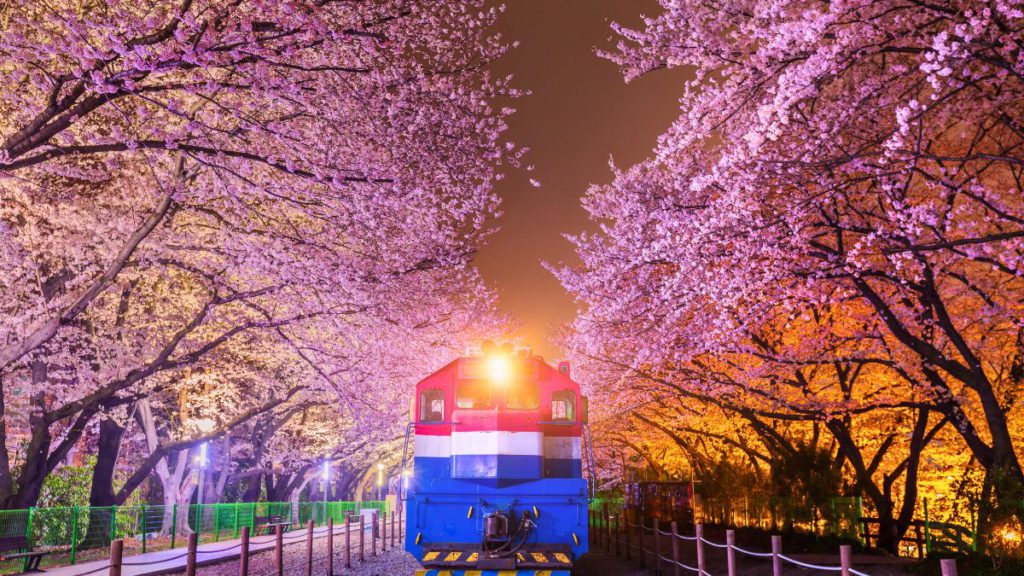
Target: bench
266, 524
18, 543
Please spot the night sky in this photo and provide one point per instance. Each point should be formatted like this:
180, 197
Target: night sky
580, 113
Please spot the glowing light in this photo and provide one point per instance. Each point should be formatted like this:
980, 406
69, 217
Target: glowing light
327, 470
405, 479
1010, 535
380, 474
499, 369
201, 459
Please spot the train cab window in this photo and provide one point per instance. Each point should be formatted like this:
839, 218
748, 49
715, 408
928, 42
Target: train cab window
473, 395
432, 405
523, 397
563, 405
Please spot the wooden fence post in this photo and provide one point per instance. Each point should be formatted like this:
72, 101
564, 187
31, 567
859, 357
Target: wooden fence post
948, 566
362, 535
243, 553
348, 541
640, 532
730, 551
675, 549
616, 529
279, 549
605, 527
373, 533
116, 555
700, 549
657, 548
330, 545
629, 546
776, 551
392, 528
845, 557
309, 547
190, 560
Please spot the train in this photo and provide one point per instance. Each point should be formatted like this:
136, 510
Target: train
496, 484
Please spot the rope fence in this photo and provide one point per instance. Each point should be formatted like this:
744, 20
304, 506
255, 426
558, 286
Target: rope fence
647, 543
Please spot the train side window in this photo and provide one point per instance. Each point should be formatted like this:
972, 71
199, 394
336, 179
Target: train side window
473, 395
524, 397
432, 405
563, 405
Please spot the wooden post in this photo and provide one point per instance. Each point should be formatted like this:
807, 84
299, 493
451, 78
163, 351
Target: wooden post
948, 566
629, 546
190, 559
348, 542
700, 549
330, 545
605, 527
776, 551
675, 549
309, 547
243, 553
116, 554
383, 522
657, 549
730, 551
362, 534
392, 528
373, 533
616, 528
279, 549
845, 559
640, 533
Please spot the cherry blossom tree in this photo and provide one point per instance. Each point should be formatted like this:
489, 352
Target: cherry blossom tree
852, 155
182, 180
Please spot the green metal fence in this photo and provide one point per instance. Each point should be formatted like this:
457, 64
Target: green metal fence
80, 533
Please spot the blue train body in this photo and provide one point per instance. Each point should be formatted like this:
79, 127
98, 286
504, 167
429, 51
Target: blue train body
497, 477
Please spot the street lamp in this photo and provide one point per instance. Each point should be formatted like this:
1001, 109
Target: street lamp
201, 463
380, 481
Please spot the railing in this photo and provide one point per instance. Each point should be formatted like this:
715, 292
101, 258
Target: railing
618, 533
286, 558
81, 533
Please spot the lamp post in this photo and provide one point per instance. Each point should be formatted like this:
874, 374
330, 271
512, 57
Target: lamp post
201, 462
380, 481
326, 477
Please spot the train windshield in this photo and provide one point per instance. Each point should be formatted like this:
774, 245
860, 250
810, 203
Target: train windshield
473, 395
432, 405
563, 405
523, 397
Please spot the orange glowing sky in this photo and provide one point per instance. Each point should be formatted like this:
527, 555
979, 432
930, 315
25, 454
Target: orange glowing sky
580, 114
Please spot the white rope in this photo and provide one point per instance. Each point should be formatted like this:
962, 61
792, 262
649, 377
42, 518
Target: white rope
857, 572
749, 553
811, 566
664, 533
691, 538
715, 544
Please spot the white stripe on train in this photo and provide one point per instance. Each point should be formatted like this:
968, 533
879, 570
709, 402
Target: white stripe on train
491, 443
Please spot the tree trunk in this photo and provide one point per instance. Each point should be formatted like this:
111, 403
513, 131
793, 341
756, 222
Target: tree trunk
101, 494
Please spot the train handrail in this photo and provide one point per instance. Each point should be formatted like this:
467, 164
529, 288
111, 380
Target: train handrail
588, 453
403, 490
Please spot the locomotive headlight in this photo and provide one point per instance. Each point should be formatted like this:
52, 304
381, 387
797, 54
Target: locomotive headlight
499, 369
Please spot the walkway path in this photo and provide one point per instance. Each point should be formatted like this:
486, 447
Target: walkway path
170, 561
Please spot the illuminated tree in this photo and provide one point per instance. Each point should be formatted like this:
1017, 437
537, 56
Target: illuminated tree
862, 156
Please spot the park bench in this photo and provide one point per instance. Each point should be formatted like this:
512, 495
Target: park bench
18, 543
266, 524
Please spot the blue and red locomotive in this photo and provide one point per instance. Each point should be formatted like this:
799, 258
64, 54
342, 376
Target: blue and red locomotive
497, 483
